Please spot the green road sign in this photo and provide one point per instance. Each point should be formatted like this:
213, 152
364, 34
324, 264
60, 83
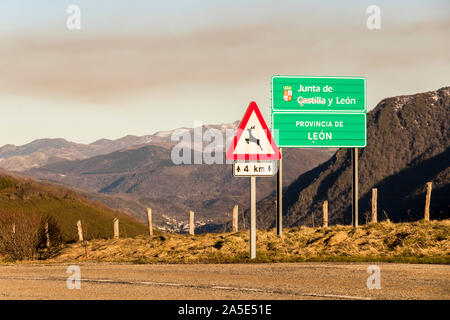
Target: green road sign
297, 93
316, 130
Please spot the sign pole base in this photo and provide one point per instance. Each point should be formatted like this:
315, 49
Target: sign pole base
279, 220
355, 188
252, 217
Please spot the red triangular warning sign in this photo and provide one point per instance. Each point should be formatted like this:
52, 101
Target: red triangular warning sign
253, 140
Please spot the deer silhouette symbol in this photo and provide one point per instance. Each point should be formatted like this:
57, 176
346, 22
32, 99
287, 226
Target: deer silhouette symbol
252, 138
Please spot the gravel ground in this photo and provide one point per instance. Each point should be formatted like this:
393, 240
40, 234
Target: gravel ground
226, 281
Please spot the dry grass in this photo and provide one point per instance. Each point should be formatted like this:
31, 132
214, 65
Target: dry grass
23, 236
419, 242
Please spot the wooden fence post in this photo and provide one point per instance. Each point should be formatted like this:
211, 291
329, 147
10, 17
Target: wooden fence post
150, 225
428, 201
374, 205
325, 213
235, 218
80, 231
47, 235
191, 223
116, 228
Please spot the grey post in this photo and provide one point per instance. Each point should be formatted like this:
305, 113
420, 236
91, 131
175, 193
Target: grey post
428, 201
80, 231
191, 223
235, 218
374, 205
279, 220
325, 213
252, 217
47, 235
355, 188
116, 228
150, 224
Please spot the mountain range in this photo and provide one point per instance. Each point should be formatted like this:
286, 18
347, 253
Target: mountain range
147, 176
46, 151
143, 175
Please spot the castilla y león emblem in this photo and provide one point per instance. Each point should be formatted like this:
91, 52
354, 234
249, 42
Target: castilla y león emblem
287, 93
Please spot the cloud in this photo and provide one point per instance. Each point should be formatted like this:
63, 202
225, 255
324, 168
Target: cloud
104, 68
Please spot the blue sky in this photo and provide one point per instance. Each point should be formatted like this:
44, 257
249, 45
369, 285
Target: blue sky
137, 67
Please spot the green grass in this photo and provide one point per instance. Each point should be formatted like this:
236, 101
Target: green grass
66, 207
6, 183
262, 258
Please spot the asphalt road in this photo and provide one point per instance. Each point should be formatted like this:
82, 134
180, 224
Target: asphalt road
228, 281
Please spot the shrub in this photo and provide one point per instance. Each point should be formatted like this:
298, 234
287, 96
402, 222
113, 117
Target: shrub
6, 183
23, 236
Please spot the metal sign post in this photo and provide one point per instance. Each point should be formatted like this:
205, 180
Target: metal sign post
355, 188
252, 217
280, 197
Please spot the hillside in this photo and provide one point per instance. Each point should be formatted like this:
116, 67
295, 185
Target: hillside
66, 207
147, 176
408, 140
418, 242
144, 176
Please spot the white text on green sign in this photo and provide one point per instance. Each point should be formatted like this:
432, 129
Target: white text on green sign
296, 93
314, 130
